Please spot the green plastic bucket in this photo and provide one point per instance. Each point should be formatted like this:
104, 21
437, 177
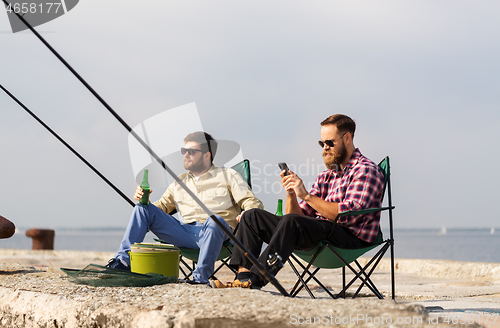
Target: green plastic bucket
155, 258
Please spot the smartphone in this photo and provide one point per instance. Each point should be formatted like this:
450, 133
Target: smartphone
283, 166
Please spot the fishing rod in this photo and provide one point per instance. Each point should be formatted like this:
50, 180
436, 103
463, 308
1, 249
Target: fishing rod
67, 145
228, 232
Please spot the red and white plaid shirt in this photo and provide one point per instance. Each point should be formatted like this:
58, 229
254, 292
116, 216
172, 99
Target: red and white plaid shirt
358, 186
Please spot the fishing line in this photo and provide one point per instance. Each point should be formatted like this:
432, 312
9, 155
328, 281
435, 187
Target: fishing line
228, 232
67, 145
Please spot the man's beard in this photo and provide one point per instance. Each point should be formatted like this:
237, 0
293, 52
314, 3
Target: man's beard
194, 166
333, 159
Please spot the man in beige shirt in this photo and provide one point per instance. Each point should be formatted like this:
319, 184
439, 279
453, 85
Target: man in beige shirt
222, 190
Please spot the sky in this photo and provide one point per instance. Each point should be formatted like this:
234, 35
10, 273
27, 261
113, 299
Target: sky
420, 78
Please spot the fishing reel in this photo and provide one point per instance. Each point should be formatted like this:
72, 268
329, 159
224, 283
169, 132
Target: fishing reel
275, 261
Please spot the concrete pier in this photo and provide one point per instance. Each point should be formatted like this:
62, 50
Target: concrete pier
35, 293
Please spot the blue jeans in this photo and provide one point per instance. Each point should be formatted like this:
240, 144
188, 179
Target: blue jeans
207, 237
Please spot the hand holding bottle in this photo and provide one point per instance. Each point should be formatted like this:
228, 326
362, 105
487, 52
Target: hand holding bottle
139, 193
144, 190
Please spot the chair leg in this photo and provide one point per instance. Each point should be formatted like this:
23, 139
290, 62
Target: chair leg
212, 276
377, 258
305, 282
393, 282
190, 270
181, 260
366, 281
311, 275
369, 282
225, 262
183, 272
357, 275
294, 292
343, 282
362, 271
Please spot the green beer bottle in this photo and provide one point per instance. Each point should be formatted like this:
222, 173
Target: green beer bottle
279, 211
145, 188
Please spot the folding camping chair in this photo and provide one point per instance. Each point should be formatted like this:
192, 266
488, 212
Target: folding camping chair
243, 168
326, 256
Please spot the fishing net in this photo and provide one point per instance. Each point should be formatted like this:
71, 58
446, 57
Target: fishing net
100, 276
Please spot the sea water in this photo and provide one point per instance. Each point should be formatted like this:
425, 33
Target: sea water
94, 240
470, 245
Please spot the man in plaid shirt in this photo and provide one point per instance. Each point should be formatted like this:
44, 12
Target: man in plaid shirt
351, 182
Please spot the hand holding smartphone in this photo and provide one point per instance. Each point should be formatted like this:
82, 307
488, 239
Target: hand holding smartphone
283, 166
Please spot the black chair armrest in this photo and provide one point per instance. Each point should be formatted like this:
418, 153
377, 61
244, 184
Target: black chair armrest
368, 210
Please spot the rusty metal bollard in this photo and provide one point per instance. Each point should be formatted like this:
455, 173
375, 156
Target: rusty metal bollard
42, 238
7, 228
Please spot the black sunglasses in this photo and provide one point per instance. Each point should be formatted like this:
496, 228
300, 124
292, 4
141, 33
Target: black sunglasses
190, 151
329, 143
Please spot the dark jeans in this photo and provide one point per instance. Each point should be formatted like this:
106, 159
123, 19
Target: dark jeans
285, 234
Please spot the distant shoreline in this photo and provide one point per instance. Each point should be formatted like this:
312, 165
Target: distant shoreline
22, 229
466, 245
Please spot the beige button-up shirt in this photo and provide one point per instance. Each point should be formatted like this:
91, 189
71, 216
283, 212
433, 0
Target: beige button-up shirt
222, 190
